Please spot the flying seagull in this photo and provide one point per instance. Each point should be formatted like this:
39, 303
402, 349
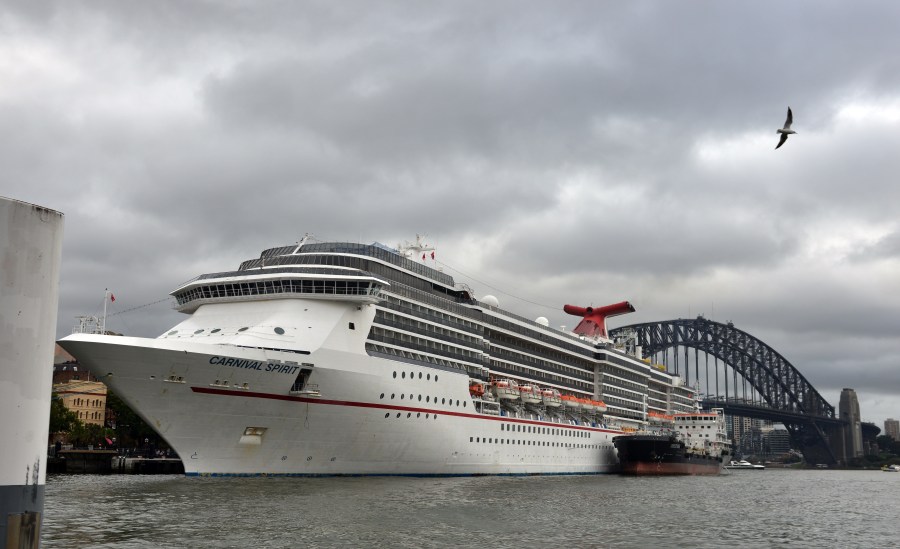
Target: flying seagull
786, 130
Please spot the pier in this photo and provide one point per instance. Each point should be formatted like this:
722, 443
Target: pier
106, 462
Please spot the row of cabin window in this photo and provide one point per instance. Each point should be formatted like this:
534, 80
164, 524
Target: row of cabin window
338, 287
518, 428
415, 324
409, 415
431, 311
425, 344
427, 399
486, 440
405, 353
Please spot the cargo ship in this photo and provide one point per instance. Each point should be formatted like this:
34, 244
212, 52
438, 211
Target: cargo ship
679, 444
337, 358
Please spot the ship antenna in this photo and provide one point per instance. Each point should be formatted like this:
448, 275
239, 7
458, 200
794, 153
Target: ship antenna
302, 241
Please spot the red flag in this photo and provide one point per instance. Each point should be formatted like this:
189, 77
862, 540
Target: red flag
108, 441
112, 297
432, 255
423, 257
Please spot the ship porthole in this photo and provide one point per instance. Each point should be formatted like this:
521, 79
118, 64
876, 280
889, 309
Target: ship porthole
216, 330
173, 332
244, 329
279, 331
200, 331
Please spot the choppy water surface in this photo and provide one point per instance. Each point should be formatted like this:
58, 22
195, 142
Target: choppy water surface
740, 509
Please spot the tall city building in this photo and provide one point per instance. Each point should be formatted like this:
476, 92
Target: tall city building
849, 412
892, 428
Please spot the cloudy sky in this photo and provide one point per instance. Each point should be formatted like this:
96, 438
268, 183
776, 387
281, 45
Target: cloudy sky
553, 152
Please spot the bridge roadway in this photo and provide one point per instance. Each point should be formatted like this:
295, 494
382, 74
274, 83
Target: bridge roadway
760, 411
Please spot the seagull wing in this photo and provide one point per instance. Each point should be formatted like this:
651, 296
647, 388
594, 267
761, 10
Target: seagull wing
789, 120
782, 140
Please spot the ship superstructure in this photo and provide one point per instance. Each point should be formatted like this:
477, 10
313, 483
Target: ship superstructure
344, 358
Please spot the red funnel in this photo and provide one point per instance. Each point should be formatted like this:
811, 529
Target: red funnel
593, 321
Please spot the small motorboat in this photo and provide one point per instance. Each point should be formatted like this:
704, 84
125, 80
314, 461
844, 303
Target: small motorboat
744, 464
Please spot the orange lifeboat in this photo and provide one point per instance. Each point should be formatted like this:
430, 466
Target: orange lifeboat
571, 401
599, 406
476, 389
551, 398
529, 394
505, 389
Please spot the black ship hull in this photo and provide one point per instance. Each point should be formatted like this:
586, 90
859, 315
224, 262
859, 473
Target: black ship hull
665, 455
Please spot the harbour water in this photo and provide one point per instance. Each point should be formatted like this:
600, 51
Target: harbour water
775, 507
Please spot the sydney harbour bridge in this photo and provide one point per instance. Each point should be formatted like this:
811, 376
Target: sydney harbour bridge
741, 374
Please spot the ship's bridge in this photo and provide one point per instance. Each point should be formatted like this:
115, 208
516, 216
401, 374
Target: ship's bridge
279, 283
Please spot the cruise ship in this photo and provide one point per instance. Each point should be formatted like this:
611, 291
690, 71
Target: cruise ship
336, 358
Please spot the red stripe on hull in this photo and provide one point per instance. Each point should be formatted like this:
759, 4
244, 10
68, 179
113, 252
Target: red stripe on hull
685, 468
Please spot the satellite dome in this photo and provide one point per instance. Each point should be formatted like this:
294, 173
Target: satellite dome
542, 320
490, 300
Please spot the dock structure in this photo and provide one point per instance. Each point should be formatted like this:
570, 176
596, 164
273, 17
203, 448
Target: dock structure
30, 256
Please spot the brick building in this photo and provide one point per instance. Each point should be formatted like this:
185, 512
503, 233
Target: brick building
79, 390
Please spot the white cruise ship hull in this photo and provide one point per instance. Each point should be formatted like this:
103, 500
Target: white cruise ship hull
229, 410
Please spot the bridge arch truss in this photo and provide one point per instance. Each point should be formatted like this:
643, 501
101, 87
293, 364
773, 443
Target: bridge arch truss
754, 376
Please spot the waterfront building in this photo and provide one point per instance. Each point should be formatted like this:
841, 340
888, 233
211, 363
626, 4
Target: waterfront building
892, 428
778, 441
79, 390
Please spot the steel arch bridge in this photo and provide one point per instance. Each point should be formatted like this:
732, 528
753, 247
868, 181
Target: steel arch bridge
778, 391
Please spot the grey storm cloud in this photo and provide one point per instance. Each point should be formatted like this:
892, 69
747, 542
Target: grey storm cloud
582, 152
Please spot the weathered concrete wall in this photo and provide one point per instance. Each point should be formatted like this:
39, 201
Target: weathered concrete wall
30, 255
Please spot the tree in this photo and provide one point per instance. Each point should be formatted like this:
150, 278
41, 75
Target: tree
62, 420
131, 429
887, 444
870, 431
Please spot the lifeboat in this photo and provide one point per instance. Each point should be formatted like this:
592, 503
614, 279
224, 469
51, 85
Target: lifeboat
551, 398
659, 417
586, 404
505, 389
529, 394
599, 406
476, 389
571, 401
